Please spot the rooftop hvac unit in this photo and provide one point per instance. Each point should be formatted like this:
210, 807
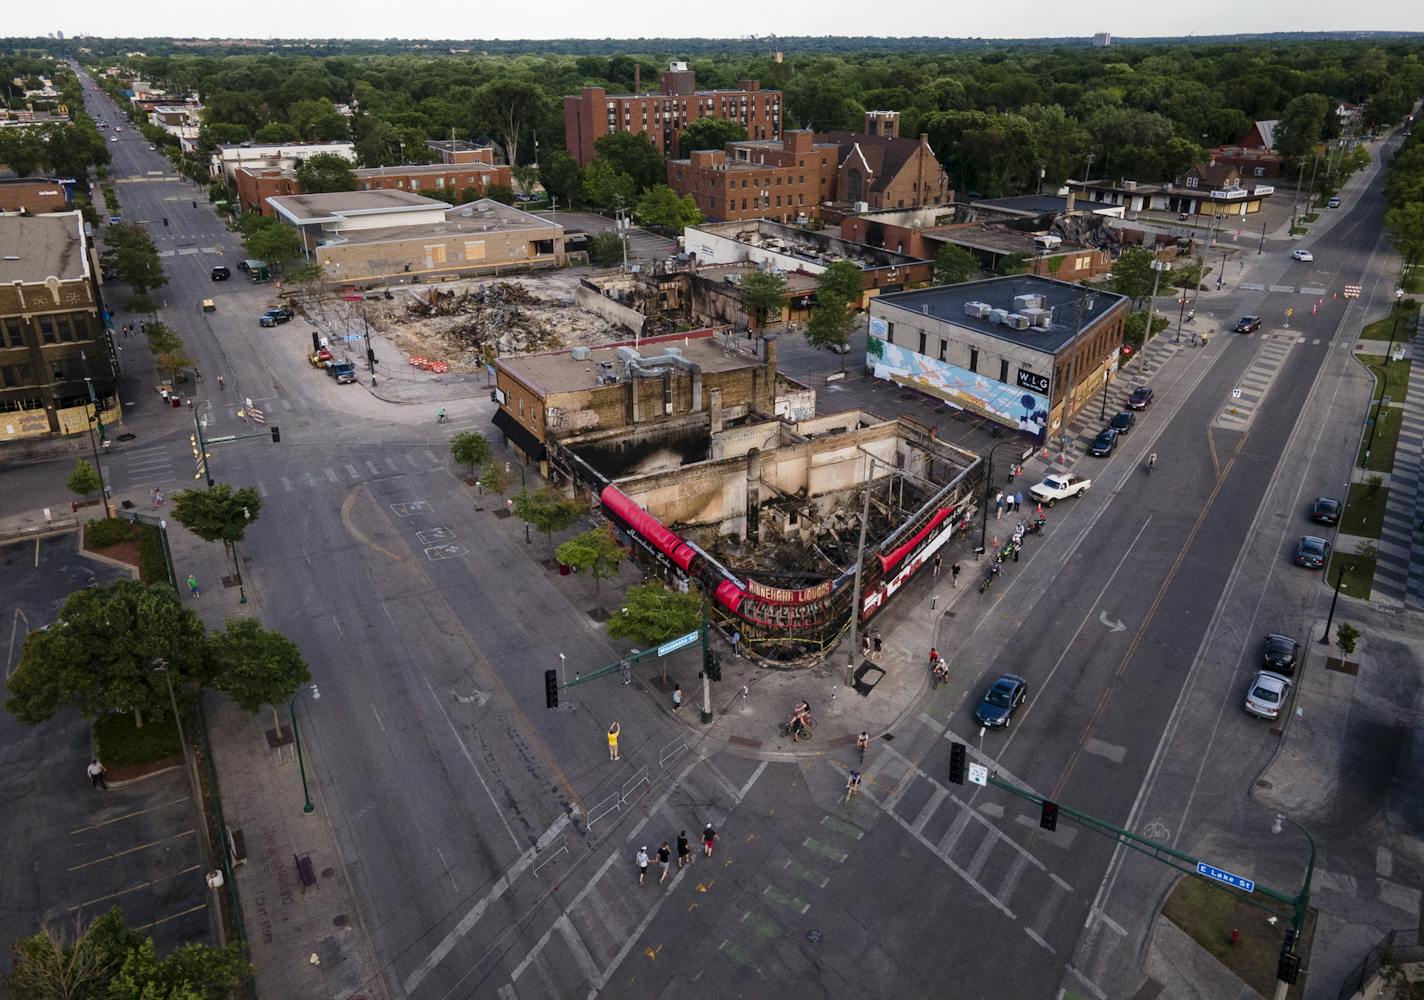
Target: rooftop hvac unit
1129, 185
626, 354
1037, 317
1017, 321
1046, 241
860, 207
1030, 300
580, 353
976, 309
997, 315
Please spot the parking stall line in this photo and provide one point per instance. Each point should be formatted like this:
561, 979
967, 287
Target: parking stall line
135, 888
130, 815
130, 850
173, 916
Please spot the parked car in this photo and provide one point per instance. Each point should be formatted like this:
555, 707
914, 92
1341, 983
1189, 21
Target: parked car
1279, 653
1103, 444
1326, 510
1247, 324
1001, 701
1304, 255
1312, 552
1059, 486
1333, 203
1267, 694
273, 316
342, 371
1141, 398
1123, 422
220, 273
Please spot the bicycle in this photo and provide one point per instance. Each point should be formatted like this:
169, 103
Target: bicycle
989, 577
852, 785
803, 732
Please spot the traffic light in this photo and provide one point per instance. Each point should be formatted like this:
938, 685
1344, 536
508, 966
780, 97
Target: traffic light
276, 434
1048, 818
551, 689
1288, 968
714, 667
958, 756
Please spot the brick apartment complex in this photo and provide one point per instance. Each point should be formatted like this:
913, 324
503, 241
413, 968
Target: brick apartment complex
424, 178
777, 180
662, 116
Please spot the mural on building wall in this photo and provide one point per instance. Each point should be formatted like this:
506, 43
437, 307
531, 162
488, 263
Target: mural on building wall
977, 393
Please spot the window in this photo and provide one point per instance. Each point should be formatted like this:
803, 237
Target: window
46, 330
974, 359
943, 345
889, 333
65, 333
1259, 172
521, 407
434, 254
415, 184
474, 249
922, 342
1003, 369
744, 203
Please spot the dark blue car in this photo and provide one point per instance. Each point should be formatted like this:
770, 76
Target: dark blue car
1000, 702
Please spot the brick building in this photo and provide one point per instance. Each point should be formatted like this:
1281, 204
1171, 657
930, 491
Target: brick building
773, 179
52, 334
256, 184
461, 151
661, 116
883, 170
278, 155
34, 195
469, 175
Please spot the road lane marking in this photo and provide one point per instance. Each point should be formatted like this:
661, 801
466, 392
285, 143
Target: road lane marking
351, 471
582, 958
806, 874
783, 899
330, 475
372, 466
135, 888
173, 916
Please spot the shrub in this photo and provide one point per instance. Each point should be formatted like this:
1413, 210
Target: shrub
100, 533
118, 741
152, 567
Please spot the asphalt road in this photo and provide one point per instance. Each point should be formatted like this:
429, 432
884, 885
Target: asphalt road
428, 623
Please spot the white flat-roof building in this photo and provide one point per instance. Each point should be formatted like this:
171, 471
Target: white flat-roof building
287, 155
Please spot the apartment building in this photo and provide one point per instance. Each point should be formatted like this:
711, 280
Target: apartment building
781, 180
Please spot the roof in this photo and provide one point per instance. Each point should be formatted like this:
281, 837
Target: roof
1215, 174
883, 156
559, 372
1267, 130
456, 145
422, 168
38, 247
946, 303
997, 238
797, 282
301, 209
482, 216
1034, 203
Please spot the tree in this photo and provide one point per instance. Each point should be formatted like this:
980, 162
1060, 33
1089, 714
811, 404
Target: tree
830, 323
108, 960
318, 121
1301, 124
594, 552
83, 481
506, 107
492, 480
1345, 637
661, 206
275, 244
255, 666
605, 249
276, 132
1406, 225
548, 511
632, 154
525, 176
607, 188
709, 133
843, 280
130, 252
324, 172
954, 264
1132, 274
1013, 263
218, 514
652, 614
762, 294
502, 193
471, 448
561, 175
101, 653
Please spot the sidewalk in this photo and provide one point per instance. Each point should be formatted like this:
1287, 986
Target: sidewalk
1399, 566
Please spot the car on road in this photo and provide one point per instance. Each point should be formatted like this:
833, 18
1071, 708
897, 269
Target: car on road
1279, 652
841, 348
274, 316
1141, 398
117, 129
1312, 552
1059, 486
220, 273
1304, 255
209, 306
152, 148
1103, 444
1333, 203
342, 371
1267, 694
1325, 510
1123, 422
113, 138
1001, 701
1247, 324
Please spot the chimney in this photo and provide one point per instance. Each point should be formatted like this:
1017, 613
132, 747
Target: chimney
1072, 197
637, 77
924, 138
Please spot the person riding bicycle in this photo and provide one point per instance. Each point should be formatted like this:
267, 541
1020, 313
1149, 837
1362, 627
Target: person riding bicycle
1151, 461
800, 721
852, 783
941, 671
862, 743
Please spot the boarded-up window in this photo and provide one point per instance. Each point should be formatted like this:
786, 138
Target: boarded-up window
474, 249
434, 254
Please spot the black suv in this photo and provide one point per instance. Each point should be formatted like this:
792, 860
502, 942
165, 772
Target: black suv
1123, 422
220, 273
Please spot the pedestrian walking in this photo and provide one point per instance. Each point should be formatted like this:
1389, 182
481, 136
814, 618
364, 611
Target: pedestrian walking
999, 505
676, 697
163, 393
440, 417
1012, 471
157, 498
709, 836
1018, 502
664, 859
954, 574
865, 644
736, 643
193, 586
642, 861
613, 732
875, 639
95, 770
938, 561
684, 850
862, 743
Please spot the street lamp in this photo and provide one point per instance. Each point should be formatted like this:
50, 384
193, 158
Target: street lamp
1158, 266
161, 666
524, 486
1301, 907
1339, 576
98, 466
297, 736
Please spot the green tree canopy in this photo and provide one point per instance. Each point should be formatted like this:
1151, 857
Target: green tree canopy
1302, 124
132, 255
561, 175
471, 448
954, 264
547, 510
762, 294
508, 107
255, 666
606, 187
324, 172
83, 481
632, 154
594, 552
100, 654
709, 133
1132, 273
653, 614
502, 193
831, 321
843, 280
273, 243
661, 206
605, 249
218, 514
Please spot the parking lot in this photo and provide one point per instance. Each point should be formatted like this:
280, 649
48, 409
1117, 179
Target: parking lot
73, 851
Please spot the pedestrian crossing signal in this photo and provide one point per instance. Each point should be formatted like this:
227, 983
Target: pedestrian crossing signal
276, 434
1048, 818
714, 667
551, 689
957, 758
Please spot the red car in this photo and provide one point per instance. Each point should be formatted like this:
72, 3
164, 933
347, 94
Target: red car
1141, 398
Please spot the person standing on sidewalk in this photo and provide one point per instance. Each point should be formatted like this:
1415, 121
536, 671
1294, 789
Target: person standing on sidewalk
642, 862
938, 561
954, 573
998, 505
440, 417
676, 697
193, 586
736, 643
95, 770
613, 732
684, 851
664, 859
709, 836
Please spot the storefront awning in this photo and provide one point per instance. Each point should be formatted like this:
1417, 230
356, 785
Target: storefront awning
520, 436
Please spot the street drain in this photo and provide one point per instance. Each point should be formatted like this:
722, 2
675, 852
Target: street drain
341, 920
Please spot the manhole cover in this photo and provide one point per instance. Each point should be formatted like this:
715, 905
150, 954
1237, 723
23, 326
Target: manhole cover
341, 920
125, 437
814, 936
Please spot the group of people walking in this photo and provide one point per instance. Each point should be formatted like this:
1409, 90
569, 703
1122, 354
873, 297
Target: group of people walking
664, 854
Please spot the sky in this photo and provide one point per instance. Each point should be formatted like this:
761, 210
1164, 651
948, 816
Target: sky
724, 19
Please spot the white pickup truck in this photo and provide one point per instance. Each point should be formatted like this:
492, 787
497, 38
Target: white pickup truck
1059, 487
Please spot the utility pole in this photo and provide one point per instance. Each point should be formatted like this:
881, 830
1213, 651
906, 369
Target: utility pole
854, 649
98, 466
1158, 266
706, 665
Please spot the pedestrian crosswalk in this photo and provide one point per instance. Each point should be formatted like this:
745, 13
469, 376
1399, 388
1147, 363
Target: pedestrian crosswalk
156, 467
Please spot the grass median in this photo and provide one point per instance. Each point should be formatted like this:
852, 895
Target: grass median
1382, 442
1381, 329
1359, 570
1364, 511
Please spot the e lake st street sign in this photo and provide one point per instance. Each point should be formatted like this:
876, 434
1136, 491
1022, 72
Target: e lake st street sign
1217, 875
